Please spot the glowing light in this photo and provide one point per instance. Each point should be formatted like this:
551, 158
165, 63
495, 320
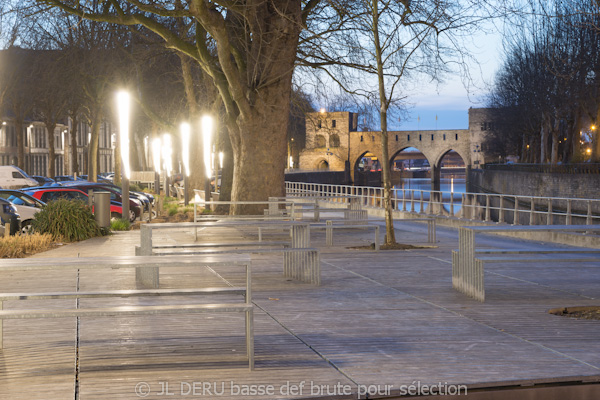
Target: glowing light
221, 155
185, 146
156, 148
167, 153
322, 110
123, 105
207, 128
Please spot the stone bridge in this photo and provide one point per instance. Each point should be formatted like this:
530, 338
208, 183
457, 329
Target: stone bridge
332, 142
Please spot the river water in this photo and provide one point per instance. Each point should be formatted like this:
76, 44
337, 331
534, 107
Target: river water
455, 185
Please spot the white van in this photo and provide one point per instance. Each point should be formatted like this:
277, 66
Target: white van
12, 177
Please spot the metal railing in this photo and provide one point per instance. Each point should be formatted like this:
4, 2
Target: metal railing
582, 168
502, 208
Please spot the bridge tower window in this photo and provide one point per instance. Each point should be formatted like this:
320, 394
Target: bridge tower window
319, 141
420, 138
396, 138
408, 138
432, 137
444, 136
362, 139
334, 140
333, 123
319, 124
373, 138
456, 136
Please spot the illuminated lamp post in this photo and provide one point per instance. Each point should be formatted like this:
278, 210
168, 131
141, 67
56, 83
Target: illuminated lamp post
167, 154
29, 135
156, 146
185, 156
123, 104
207, 128
221, 156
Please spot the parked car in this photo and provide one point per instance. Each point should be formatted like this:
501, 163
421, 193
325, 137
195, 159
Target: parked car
42, 180
67, 178
135, 207
12, 177
47, 194
99, 179
9, 216
26, 205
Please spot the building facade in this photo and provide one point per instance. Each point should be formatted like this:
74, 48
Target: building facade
37, 155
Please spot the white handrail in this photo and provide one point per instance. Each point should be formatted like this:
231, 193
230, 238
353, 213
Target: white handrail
504, 208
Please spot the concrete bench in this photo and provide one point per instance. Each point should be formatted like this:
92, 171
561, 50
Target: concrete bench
301, 264
468, 263
121, 262
300, 261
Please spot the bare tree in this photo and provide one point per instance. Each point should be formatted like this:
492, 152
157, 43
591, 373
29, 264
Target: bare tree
387, 44
248, 50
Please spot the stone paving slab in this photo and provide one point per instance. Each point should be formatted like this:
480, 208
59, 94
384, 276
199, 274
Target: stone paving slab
385, 318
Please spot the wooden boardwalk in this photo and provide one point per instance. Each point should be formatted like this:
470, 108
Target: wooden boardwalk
388, 318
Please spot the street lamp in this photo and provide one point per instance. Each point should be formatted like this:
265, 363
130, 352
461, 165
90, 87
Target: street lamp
185, 131
29, 130
207, 128
167, 153
156, 145
123, 104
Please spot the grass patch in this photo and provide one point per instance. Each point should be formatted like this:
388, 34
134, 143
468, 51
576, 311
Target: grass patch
20, 246
120, 225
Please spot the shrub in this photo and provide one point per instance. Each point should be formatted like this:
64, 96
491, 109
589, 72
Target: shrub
68, 220
134, 187
120, 225
172, 209
21, 245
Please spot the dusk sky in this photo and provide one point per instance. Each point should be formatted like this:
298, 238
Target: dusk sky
450, 101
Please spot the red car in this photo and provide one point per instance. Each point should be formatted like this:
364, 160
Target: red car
52, 193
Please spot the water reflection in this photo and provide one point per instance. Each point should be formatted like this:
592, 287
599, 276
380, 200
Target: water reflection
453, 186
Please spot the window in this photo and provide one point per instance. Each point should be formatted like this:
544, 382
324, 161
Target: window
333, 123
396, 138
362, 139
334, 141
432, 137
419, 137
319, 124
444, 136
408, 138
456, 137
319, 141
373, 138
17, 175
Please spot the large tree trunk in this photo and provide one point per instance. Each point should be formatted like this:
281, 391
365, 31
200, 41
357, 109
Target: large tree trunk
50, 127
260, 152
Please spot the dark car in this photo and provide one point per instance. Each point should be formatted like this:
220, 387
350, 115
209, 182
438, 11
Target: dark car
135, 208
26, 205
42, 180
47, 194
99, 179
9, 216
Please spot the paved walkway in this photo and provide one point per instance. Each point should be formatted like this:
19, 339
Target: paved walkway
377, 322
